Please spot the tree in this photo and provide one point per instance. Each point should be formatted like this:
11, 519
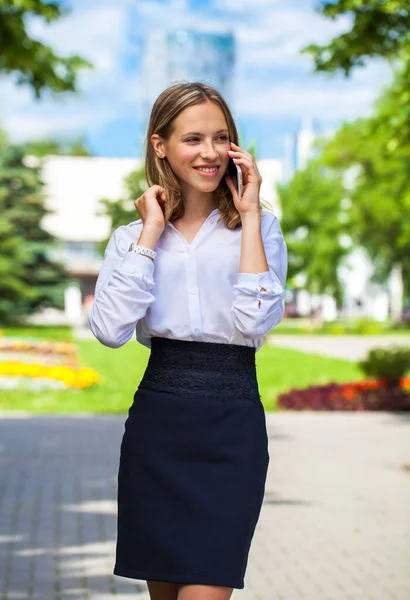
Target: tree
380, 29
12, 286
314, 222
30, 278
30, 61
380, 197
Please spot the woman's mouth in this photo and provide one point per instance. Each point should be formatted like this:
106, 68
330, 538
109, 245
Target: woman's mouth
207, 172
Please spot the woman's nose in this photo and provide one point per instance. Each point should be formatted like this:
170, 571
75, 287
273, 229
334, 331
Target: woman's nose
210, 151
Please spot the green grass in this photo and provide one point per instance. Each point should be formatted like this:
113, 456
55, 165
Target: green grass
366, 327
60, 333
278, 369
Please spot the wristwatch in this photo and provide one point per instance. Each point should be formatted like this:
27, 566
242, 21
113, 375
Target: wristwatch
134, 247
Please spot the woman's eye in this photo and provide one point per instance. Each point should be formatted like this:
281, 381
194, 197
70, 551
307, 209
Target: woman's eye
223, 137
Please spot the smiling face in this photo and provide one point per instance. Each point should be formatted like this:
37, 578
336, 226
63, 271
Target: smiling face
197, 148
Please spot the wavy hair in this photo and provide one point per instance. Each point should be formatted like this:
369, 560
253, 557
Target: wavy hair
169, 104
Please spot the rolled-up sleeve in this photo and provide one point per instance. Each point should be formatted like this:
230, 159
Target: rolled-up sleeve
123, 293
258, 297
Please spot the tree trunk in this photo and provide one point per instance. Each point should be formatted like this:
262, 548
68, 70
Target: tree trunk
396, 290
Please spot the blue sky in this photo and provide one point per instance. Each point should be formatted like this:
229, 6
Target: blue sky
274, 87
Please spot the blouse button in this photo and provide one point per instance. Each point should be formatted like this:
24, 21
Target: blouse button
197, 331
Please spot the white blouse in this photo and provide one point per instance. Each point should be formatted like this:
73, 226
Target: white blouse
190, 291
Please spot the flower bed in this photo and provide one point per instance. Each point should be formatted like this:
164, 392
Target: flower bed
358, 396
38, 364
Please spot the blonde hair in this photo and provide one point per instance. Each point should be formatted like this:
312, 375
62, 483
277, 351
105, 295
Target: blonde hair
169, 104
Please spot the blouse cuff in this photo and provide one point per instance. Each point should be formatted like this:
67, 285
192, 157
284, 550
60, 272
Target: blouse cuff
254, 281
137, 263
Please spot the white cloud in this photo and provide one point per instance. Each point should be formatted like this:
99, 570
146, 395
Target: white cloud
292, 100
280, 34
318, 96
272, 78
24, 127
98, 34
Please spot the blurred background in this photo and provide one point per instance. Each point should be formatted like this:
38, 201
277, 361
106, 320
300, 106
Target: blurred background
322, 103
320, 92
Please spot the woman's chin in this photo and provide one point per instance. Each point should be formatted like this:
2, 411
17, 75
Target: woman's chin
206, 186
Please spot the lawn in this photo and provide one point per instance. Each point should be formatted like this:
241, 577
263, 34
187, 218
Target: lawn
278, 370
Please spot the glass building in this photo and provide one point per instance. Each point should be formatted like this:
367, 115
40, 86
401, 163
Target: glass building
183, 55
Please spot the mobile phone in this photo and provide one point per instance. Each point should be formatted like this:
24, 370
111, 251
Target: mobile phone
235, 172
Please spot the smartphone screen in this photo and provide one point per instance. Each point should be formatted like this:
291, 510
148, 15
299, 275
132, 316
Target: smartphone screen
235, 175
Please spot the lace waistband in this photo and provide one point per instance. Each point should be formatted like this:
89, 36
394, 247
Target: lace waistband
207, 369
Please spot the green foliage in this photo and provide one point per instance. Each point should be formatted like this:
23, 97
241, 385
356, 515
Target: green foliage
365, 326
380, 29
380, 196
29, 61
361, 326
65, 147
313, 222
391, 121
30, 278
387, 364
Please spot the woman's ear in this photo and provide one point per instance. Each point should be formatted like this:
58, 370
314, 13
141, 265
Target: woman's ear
158, 145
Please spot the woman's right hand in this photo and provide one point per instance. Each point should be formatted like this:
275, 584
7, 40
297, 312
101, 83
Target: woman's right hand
151, 207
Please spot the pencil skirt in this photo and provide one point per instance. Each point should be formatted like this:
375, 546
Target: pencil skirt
193, 466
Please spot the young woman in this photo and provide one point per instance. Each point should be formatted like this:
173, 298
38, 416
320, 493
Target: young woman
200, 276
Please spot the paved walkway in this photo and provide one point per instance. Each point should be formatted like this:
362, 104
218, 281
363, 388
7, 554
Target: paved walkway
349, 347
335, 524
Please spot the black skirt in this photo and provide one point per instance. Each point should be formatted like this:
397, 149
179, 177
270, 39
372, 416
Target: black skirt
193, 465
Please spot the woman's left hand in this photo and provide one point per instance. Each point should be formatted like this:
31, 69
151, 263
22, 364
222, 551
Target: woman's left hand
252, 180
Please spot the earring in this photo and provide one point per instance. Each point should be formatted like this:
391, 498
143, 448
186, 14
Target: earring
162, 155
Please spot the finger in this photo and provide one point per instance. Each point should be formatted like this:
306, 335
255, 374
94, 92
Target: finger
245, 163
235, 154
230, 185
237, 148
161, 195
248, 165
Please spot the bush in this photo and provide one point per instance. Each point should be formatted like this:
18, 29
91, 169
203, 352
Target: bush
365, 325
387, 364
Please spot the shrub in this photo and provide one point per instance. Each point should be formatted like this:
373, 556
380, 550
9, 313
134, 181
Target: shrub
387, 364
365, 325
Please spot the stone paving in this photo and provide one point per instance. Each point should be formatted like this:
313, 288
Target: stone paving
335, 524
349, 347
